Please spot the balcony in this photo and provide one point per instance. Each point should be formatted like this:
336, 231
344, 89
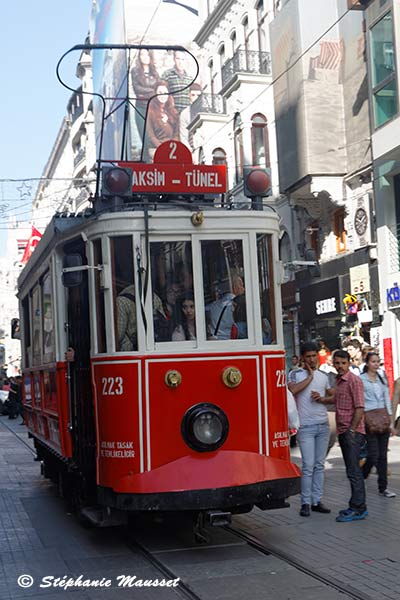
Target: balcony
207, 103
254, 62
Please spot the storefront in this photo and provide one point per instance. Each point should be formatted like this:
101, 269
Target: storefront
320, 312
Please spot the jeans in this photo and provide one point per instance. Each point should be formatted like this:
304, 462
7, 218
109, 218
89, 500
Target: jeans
350, 444
313, 441
377, 446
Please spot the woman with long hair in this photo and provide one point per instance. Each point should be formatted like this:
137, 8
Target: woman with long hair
144, 77
187, 329
162, 119
376, 393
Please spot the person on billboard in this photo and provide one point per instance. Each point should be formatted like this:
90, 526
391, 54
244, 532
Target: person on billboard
177, 78
162, 119
144, 77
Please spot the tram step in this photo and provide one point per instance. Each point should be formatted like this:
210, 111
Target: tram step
219, 519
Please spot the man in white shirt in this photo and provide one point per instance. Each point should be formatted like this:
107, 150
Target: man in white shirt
309, 386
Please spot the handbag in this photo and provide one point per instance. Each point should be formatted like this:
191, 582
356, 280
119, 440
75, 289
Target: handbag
377, 420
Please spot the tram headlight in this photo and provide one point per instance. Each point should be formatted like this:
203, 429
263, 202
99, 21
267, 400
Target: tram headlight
205, 427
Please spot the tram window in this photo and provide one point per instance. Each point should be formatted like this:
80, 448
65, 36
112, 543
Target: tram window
224, 291
172, 283
100, 308
48, 322
124, 298
36, 325
266, 288
27, 331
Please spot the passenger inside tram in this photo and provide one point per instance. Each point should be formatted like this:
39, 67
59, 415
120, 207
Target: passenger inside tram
126, 320
186, 330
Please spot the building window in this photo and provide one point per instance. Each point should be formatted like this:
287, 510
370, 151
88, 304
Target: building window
233, 39
238, 144
219, 156
383, 71
246, 33
339, 230
259, 141
212, 76
221, 52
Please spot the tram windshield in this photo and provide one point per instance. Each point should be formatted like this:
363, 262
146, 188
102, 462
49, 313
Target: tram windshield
174, 315
224, 290
124, 297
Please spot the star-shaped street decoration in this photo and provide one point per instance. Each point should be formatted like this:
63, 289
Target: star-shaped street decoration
25, 190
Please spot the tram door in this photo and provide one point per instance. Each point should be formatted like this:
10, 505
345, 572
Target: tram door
80, 391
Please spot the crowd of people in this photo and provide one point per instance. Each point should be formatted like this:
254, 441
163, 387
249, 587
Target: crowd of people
346, 388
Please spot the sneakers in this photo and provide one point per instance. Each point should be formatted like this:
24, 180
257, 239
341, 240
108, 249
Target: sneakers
321, 508
387, 494
305, 510
349, 514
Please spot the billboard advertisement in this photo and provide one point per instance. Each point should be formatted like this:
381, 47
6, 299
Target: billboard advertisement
147, 91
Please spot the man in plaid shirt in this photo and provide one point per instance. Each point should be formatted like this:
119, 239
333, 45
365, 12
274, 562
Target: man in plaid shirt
177, 78
349, 400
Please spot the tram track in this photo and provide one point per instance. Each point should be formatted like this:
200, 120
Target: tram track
183, 590
18, 436
297, 564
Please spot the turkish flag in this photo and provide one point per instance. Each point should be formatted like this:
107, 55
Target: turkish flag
31, 245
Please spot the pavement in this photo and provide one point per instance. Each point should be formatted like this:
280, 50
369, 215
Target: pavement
38, 537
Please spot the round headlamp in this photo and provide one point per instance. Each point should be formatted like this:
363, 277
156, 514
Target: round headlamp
205, 427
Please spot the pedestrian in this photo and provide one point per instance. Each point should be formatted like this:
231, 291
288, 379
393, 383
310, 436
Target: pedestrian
310, 387
395, 403
353, 347
349, 400
13, 399
295, 363
377, 406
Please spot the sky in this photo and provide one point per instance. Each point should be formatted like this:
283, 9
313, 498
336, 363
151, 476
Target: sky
33, 36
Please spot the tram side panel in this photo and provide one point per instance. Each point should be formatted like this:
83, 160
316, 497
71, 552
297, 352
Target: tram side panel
118, 414
278, 440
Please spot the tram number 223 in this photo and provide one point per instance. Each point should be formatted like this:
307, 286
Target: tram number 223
112, 386
280, 378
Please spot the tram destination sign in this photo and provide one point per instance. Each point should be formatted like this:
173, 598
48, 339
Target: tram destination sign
173, 172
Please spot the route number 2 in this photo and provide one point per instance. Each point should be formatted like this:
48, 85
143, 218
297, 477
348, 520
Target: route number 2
280, 378
172, 151
112, 386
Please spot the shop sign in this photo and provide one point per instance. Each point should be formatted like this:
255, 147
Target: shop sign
393, 296
359, 279
320, 300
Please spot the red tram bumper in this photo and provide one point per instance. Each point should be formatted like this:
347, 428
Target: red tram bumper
223, 480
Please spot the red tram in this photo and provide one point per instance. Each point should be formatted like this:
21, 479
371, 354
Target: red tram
173, 397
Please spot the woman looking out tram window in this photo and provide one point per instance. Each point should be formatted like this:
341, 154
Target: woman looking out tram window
187, 329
